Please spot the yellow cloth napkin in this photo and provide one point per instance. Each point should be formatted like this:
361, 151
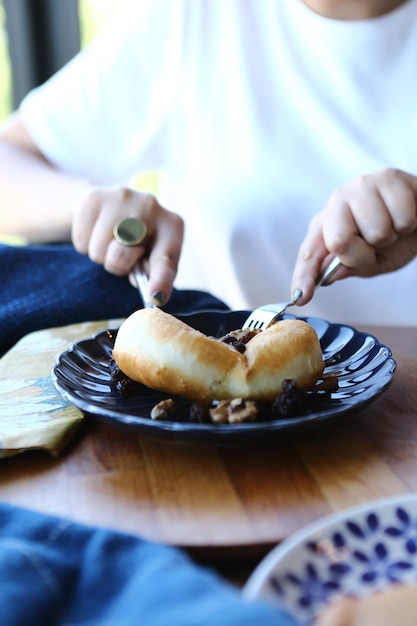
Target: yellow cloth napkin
33, 415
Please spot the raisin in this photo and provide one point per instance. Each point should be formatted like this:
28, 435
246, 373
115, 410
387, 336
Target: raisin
291, 401
124, 386
199, 413
238, 344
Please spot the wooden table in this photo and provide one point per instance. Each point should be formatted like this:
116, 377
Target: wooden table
230, 502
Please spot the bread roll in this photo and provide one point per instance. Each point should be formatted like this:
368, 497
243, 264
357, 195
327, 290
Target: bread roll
162, 352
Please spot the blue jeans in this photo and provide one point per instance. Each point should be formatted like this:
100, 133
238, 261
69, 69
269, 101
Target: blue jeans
52, 285
55, 572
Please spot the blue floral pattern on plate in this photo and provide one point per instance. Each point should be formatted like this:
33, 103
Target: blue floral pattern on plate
355, 553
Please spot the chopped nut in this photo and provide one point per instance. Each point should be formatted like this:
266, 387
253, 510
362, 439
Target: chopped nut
242, 411
220, 413
164, 410
236, 411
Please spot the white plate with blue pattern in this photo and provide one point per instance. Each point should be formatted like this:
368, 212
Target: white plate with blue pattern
356, 552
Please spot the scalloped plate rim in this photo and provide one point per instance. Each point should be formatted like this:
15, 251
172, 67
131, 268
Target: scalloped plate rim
225, 430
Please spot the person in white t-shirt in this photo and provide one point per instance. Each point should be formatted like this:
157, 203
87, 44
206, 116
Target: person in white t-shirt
253, 112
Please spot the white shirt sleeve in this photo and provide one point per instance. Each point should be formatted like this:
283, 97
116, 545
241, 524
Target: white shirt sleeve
103, 114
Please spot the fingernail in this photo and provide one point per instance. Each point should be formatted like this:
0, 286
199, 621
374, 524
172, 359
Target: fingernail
159, 297
297, 294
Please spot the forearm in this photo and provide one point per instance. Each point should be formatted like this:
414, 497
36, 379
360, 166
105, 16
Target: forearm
36, 199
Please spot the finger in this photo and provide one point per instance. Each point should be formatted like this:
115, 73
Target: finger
343, 238
164, 258
86, 210
382, 206
399, 192
372, 219
398, 255
308, 264
115, 206
120, 259
355, 231
360, 212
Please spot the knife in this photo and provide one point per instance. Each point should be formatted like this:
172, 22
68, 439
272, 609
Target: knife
141, 280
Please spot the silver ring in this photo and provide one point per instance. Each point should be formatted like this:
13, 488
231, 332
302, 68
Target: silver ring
130, 231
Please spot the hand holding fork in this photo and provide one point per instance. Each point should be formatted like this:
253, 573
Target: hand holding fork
264, 316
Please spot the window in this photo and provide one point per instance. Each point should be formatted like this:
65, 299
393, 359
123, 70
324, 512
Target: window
5, 70
42, 35
37, 37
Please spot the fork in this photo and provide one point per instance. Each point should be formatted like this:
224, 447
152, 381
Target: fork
264, 316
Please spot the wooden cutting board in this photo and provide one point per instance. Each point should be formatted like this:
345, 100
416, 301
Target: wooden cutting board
228, 500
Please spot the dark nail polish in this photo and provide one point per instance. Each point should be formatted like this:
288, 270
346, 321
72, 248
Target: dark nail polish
159, 296
296, 295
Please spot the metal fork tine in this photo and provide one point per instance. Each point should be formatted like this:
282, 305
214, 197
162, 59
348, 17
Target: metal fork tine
264, 316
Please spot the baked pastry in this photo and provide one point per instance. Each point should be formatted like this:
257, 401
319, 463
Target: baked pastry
395, 605
162, 352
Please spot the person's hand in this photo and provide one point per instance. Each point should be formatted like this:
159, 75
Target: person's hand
98, 211
369, 223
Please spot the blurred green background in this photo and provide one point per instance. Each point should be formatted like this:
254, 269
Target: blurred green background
5, 78
93, 16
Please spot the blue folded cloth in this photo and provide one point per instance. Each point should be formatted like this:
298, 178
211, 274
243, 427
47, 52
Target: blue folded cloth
56, 573
46, 286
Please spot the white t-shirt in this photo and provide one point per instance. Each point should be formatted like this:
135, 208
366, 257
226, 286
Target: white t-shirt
254, 111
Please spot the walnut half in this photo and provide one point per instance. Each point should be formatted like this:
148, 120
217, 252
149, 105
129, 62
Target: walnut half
164, 410
236, 411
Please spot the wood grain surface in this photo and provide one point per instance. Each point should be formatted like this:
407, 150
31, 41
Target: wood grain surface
227, 500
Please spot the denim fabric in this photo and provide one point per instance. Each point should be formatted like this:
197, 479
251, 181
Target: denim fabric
47, 286
55, 572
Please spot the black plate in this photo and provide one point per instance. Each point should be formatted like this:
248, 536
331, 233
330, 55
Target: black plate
364, 368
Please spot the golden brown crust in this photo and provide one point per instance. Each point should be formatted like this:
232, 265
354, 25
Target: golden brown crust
160, 351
